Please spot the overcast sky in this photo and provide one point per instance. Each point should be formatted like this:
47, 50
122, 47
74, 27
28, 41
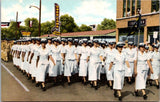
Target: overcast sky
83, 11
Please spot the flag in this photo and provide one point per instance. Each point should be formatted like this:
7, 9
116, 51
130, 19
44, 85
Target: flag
136, 26
30, 23
18, 24
5, 23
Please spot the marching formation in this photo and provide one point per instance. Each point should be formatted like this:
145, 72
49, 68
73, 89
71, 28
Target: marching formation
58, 59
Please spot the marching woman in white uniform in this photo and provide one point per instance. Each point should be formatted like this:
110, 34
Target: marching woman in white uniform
26, 48
70, 58
155, 58
95, 58
141, 70
55, 70
120, 59
34, 54
109, 73
42, 64
131, 56
83, 55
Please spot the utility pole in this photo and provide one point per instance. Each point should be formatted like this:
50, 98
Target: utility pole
40, 18
16, 24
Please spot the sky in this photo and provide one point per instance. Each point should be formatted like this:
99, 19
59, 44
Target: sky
83, 11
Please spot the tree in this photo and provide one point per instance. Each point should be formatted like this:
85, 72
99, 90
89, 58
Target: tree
68, 24
47, 26
34, 29
107, 24
84, 27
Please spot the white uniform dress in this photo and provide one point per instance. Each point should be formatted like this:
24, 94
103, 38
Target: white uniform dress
103, 69
34, 50
142, 71
131, 56
42, 64
119, 69
62, 50
26, 49
56, 54
29, 64
48, 46
19, 59
13, 49
155, 65
94, 63
108, 54
83, 67
70, 60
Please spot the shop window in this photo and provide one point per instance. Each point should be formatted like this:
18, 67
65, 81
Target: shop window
155, 5
124, 8
133, 7
138, 6
128, 8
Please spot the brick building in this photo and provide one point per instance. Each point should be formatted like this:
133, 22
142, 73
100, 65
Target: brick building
127, 14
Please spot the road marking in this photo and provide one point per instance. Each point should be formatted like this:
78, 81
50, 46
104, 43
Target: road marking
25, 88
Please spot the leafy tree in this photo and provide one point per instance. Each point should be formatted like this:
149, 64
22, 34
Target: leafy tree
84, 27
106, 24
34, 29
68, 24
47, 26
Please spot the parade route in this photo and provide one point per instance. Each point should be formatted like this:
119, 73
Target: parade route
13, 91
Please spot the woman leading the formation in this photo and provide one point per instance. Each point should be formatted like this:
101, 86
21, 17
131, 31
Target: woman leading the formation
120, 59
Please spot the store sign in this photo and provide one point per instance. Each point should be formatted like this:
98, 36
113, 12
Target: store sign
26, 33
155, 35
56, 30
131, 23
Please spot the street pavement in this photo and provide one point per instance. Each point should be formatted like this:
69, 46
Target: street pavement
11, 90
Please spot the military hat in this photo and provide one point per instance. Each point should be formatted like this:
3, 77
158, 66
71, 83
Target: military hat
113, 42
110, 42
147, 47
76, 40
102, 42
84, 40
141, 45
120, 44
70, 39
95, 41
63, 39
43, 40
156, 46
130, 43
90, 42
49, 38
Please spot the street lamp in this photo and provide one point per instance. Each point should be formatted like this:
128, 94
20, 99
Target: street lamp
39, 8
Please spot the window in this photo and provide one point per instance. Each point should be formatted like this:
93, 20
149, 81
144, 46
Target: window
138, 6
155, 5
128, 7
133, 7
124, 8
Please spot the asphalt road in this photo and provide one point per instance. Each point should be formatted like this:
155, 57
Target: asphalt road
13, 91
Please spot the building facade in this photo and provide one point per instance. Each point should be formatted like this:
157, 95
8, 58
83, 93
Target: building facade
127, 15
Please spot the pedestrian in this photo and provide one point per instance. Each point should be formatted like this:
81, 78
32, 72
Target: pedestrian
155, 58
56, 51
34, 54
70, 58
42, 64
109, 73
95, 58
131, 56
120, 59
83, 55
141, 70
